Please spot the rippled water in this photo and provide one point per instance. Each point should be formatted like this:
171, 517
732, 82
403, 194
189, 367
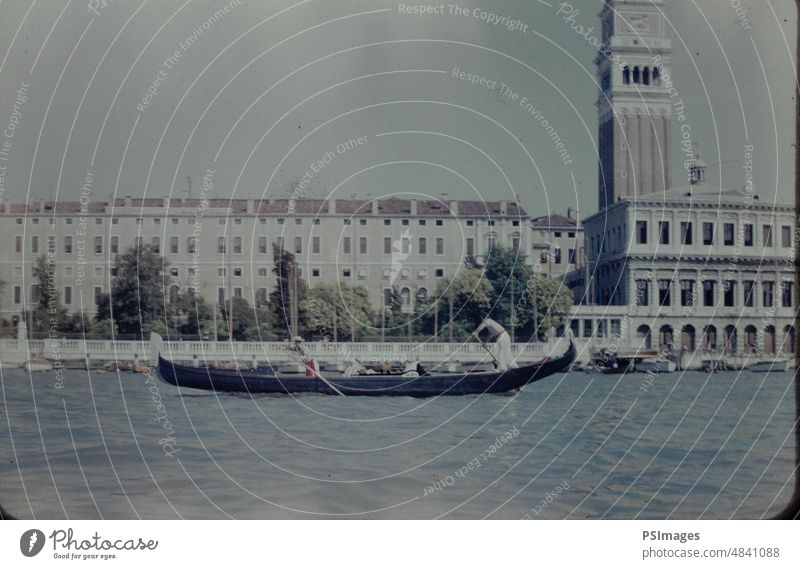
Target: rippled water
578, 446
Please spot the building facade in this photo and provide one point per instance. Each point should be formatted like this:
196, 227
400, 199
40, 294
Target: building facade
557, 243
692, 268
223, 247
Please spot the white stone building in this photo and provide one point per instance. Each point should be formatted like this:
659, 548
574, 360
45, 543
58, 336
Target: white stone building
223, 247
694, 268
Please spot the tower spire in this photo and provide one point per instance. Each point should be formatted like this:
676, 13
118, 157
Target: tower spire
635, 102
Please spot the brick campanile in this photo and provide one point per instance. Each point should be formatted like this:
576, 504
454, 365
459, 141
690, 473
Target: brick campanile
634, 105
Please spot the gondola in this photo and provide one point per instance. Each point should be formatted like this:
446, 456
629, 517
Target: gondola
269, 380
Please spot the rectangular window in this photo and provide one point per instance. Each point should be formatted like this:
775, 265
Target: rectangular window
664, 288
173, 245
68, 244
748, 234
729, 297
387, 221
786, 295
423, 246
315, 272
98, 245
766, 232
786, 236
557, 257
642, 292
641, 232
727, 234
237, 245
767, 293
686, 232
439, 273
470, 246
405, 245
97, 292
157, 245
346, 273
114, 245
18, 244
221, 245
221, 295
362, 221
315, 245
387, 245
237, 271
440, 245
17, 295
362, 245
708, 293
191, 245
262, 245
67, 295
346, 248
298, 245
687, 293
749, 292
35, 244
571, 256
708, 233
587, 328
663, 232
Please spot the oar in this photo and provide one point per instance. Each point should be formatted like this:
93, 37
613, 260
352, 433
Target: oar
317, 374
488, 350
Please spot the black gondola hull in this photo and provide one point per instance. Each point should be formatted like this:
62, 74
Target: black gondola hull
268, 381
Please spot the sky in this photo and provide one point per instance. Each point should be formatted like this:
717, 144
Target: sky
332, 99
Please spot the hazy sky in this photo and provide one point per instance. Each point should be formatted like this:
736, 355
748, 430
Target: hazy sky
263, 92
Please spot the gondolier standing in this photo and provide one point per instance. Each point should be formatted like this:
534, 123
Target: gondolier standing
297, 349
501, 350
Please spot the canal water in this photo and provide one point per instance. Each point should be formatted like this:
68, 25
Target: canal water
689, 445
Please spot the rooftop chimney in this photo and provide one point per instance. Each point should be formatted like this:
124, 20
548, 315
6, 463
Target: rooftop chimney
413, 207
454, 207
503, 207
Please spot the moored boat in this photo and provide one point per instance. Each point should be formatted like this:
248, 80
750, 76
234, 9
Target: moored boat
270, 380
38, 365
652, 365
766, 366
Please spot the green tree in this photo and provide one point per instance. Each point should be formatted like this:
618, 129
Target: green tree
244, 318
505, 269
287, 274
550, 301
347, 308
193, 316
472, 298
137, 292
49, 312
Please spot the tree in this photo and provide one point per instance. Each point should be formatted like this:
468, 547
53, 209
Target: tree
244, 318
136, 301
193, 316
328, 306
288, 279
505, 270
49, 313
549, 300
472, 297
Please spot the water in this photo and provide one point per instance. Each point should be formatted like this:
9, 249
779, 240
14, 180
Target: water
575, 445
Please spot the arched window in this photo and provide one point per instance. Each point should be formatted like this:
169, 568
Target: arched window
422, 294
173, 294
626, 75
710, 338
656, 76
789, 340
636, 75
769, 340
665, 337
751, 339
643, 333
730, 339
687, 338
405, 297
646, 76
261, 297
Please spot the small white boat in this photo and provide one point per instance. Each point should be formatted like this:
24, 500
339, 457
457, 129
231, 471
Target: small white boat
38, 365
766, 366
655, 366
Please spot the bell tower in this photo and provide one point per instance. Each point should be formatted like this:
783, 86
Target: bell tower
634, 106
